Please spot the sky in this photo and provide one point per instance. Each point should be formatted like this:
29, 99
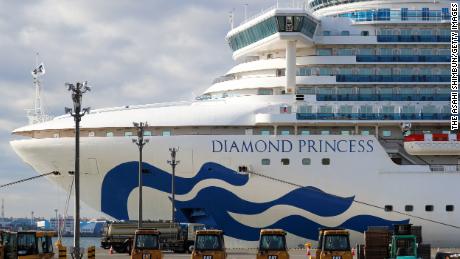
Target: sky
130, 52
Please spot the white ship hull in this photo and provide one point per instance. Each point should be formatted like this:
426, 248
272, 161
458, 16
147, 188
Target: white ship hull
360, 173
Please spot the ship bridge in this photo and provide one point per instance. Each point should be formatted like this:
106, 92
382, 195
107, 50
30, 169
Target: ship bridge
277, 28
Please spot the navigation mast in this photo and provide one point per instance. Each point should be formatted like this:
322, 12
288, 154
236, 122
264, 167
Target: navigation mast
37, 114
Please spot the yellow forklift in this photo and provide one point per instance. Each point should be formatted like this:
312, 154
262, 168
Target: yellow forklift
333, 243
146, 244
209, 244
27, 245
272, 244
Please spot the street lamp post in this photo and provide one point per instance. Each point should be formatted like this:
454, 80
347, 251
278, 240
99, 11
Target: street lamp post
77, 112
173, 162
140, 142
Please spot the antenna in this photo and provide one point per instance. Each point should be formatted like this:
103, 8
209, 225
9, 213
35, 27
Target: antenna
3, 208
231, 17
245, 12
37, 114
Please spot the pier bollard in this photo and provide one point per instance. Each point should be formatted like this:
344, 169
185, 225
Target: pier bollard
92, 252
62, 250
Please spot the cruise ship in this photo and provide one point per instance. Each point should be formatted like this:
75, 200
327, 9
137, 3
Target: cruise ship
335, 114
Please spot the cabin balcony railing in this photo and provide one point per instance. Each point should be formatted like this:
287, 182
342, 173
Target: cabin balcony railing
373, 116
393, 78
413, 38
403, 58
383, 97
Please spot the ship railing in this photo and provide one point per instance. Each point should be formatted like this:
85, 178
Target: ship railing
383, 97
373, 116
445, 168
403, 58
293, 4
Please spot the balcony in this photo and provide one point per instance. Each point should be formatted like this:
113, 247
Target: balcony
402, 58
373, 116
383, 97
393, 78
413, 38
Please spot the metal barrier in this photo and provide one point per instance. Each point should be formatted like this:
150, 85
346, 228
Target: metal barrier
62, 250
92, 252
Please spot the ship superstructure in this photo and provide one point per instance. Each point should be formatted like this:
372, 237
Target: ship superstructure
336, 114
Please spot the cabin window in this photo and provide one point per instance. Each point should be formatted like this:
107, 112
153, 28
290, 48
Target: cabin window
91, 134
364, 33
449, 208
305, 132
325, 132
429, 208
147, 133
109, 134
409, 208
388, 208
386, 133
265, 132
306, 161
128, 134
265, 161
326, 161
285, 161
365, 132
326, 33
345, 33
166, 133
285, 132
265, 91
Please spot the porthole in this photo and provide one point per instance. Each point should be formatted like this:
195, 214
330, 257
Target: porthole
306, 161
388, 208
326, 161
409, 208
449, 208
265, 161
429, 207
285, 161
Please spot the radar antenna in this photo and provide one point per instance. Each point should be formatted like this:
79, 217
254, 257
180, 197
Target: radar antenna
37, 114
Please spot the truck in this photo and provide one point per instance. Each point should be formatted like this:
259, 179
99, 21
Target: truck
177, 237
272, 244
209, 244
26, 244
146, 244
333, 243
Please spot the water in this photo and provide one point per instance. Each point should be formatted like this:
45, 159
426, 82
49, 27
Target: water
85, 242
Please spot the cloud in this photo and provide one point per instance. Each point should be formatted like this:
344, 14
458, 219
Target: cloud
131, 53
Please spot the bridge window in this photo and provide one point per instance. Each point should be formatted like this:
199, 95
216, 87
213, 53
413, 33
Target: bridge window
265, 132
449, 208
166, 133
56, 135
325, 132
324, 52
429, 208
388, 208
285, 161
326, 161
91, 134
364, 132
345, 132
147, 133
109, 134
265, 161
128, 134
306, 161
409, 208
285, 132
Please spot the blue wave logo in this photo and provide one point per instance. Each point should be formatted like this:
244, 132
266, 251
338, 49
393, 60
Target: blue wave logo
212, 205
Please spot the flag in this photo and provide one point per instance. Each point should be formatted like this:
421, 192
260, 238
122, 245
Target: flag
38, 71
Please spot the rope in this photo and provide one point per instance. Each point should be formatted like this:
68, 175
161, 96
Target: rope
29, 179
362, 202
